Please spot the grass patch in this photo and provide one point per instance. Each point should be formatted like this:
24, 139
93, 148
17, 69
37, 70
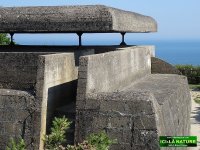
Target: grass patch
194, 86
197, 99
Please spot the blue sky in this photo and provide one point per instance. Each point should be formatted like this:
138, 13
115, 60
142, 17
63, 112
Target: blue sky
177, 19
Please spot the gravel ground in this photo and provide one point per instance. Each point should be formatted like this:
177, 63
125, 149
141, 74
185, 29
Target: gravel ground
195, 118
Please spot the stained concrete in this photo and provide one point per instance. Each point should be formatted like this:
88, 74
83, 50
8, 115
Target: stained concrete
136, 112
27, 112
17, 116
88, 18
18, 70
54, 71
125, 65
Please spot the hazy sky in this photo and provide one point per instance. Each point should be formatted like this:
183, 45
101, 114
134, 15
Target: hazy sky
177, 19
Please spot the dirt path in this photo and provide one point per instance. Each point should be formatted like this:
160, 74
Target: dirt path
195, 118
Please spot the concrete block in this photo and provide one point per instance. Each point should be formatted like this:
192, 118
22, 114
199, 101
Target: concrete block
123, 136
171, 93
152, 107
124, 122
89, 18
145, 122
125, 66
146, 139
16, 116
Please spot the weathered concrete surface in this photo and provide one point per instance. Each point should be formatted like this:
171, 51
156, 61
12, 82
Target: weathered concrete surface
17, 117
108, 72
88, 18
130, 117
53, 84
162, 67
55, 80
136, 112
18, 70
124, 65
173, 95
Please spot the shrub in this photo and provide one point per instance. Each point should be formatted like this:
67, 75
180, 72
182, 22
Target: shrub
4, 39
100, 141
57, 136
56, 139
16, 145
197, 99
81, 146
192, 73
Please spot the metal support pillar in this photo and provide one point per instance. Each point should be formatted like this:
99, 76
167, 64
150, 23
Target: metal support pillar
123, 41
80, 38
11, 39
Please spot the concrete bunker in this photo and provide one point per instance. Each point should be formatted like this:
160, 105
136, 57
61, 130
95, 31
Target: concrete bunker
116, 90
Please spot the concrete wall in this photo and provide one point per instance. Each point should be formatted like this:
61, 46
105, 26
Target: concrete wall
109, 72
18, 70
173, 106
30, 49
135, 111
122, 115
55, 80
124, 66
51, 80
17, 117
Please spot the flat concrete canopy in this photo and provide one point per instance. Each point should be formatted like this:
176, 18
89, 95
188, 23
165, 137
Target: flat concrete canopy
73, 19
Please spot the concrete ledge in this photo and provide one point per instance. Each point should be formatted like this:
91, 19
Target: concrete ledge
113, 70
172, 94
88, 18
138, 114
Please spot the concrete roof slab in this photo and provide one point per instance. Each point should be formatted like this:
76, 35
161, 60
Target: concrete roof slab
71, 19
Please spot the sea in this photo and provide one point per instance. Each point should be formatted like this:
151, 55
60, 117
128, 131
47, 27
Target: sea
176, 52
179, 52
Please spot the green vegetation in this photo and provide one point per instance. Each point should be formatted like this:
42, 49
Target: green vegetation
81, 146
4, 39
95, 141
56, 139
197, 99
57, 136
16, 145
100, 141
192, 73
194, 86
